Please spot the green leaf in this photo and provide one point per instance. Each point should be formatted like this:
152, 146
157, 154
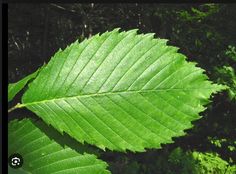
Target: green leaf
120, 90
14, 88
43, 155
16, 171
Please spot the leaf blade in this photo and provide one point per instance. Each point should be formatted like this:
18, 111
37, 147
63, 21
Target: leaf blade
44, 155
97, 93
14, 88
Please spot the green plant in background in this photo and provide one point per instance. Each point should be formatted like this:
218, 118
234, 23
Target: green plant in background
180, 161
211, 163
226, 74
193, 162
118, 91
224, 143
197, 15
231, 52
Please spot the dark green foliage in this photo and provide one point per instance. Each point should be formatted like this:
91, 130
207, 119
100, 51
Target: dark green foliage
178, 161
226, 74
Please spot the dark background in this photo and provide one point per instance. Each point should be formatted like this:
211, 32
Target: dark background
205, 33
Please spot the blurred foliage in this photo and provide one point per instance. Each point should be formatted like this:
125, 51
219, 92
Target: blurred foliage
200, 13
223, 143
178, 161
226, 75
205, 33
231, 52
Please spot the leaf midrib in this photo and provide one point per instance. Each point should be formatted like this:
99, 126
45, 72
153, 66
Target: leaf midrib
107, 93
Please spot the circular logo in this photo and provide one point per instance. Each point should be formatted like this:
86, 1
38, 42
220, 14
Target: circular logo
15, 161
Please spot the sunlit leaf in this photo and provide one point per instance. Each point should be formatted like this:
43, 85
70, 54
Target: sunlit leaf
120, 90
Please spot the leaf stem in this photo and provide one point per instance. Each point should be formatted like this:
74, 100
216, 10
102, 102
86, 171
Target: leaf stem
14, 107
